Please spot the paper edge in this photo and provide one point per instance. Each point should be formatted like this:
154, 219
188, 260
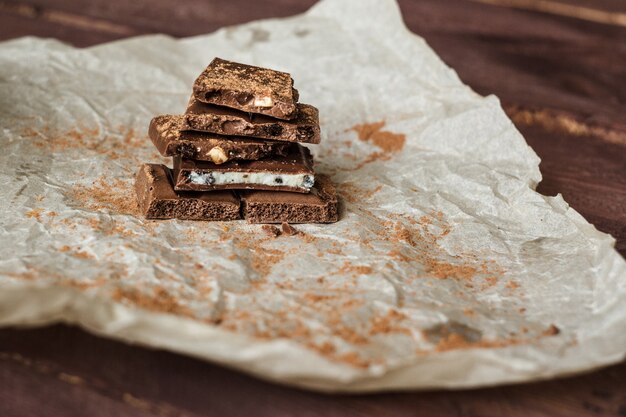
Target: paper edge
159, 331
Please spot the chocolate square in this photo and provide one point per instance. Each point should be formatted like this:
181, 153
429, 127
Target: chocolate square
247, 88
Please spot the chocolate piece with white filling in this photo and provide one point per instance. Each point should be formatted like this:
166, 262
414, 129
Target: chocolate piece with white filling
318, 206
304, 127
247, 88
293, 172
158, 200
169, 135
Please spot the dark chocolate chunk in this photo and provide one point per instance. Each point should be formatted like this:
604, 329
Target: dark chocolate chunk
293, 172
247, 88
304, 127
318, 206
158, 200
170, 137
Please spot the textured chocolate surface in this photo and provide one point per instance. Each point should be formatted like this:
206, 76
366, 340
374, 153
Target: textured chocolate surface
318, 206
171, 137
158, 200
304, 127
298, 162
248, 88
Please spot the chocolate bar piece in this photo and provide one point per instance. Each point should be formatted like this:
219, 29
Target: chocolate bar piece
247, 88
318, 206
170, 137
226, 121
158, 200
293, 172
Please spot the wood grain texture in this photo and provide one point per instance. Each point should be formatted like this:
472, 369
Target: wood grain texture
560, 76
177, 18
583, 10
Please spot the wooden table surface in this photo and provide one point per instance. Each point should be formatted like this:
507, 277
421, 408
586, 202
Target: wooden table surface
559, 67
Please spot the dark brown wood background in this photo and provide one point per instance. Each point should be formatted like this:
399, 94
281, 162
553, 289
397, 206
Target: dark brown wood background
559, 67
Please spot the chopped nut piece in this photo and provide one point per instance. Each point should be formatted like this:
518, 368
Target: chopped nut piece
263, 102
218, 155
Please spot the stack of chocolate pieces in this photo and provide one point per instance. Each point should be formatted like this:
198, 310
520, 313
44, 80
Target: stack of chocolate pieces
237, 153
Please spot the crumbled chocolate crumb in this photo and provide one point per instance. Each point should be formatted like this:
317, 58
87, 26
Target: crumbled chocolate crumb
271, 230
288, 230
552, 331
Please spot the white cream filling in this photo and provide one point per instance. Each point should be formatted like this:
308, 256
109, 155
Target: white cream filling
260, 178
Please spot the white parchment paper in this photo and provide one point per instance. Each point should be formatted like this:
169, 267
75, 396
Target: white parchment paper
446, 269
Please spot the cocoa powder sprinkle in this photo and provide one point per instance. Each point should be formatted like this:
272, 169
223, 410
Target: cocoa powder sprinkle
389, 142
111, 194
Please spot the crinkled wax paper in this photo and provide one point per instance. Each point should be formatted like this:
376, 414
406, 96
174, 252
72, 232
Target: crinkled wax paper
446, 269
